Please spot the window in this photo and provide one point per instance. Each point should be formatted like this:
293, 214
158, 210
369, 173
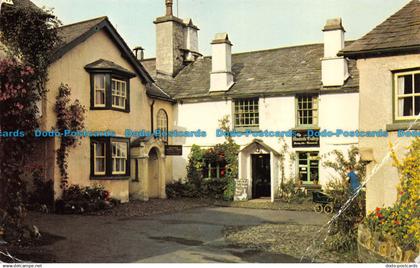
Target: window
162, 124
307, 110
119, 157
407, 95
308, 167
119, 93
246, 113
214, 170
110, 158
100, 90
99, 158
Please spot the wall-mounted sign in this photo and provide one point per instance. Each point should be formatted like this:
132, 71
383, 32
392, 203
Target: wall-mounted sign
301, 139
173, 149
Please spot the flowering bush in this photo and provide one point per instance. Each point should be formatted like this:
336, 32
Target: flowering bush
79, 200
401, 222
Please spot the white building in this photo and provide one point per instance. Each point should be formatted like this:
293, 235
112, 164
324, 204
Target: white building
296, 88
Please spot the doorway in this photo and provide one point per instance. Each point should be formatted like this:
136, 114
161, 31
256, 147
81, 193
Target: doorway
261, 175
153, 180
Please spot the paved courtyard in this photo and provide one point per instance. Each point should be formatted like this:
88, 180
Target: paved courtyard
193, 235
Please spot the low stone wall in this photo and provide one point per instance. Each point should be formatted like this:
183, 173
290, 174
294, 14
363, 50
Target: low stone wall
371, 249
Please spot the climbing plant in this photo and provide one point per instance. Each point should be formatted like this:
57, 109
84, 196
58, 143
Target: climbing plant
28, 36
218, 186
69, 117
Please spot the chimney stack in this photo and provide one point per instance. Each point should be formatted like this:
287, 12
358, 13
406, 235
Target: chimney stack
334, 68
221, 76
176, 43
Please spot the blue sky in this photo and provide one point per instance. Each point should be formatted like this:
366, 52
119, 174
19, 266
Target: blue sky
251, 24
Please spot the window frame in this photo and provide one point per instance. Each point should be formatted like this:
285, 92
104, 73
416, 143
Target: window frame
235, 113
308, 180
396, 95
315, 111
109, 77
120, 95
166, 127
96, 105
95, 157
109, 173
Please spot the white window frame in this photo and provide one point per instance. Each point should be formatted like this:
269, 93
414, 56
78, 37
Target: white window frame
98, 88
119, 95
120, 148
95, 157
397, 96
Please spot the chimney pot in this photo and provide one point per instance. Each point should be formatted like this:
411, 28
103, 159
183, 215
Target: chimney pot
169, 7
139, 53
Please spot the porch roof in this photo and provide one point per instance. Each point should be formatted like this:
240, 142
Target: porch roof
262, 144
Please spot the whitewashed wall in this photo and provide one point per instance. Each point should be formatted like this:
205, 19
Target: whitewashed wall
276, 114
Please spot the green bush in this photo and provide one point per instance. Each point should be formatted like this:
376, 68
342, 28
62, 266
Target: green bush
43, 194
343, 233
79, 200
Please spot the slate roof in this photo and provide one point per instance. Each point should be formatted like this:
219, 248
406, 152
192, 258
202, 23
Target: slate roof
73, 34
400, 33
280, 71
102, 64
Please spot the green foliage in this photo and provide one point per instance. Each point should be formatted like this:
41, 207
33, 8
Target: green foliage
218, 188
343, 233
43, 194
79, 200
29, 37
401, 222
69, 117
342, 163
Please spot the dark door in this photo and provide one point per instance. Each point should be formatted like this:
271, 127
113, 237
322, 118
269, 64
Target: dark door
261, 179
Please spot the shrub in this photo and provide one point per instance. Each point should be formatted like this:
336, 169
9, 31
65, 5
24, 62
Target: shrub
290, 193
79, 200
43, 194
401, 222
180, 189
343, 232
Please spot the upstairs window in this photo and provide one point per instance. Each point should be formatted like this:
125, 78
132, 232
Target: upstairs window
110, 86
307, 111
99, 85
119, 93
246, 113
407, 95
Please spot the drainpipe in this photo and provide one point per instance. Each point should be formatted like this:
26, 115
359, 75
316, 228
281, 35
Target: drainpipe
151, 116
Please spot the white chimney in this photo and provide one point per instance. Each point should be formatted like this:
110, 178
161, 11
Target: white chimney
191, 41
221, 77
334, 68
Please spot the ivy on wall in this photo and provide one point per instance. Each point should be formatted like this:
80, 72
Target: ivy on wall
69, 117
